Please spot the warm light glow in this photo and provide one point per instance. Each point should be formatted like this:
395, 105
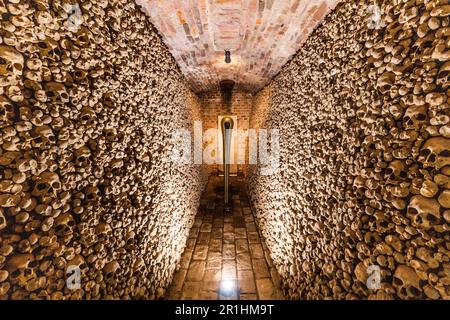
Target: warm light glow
227, 287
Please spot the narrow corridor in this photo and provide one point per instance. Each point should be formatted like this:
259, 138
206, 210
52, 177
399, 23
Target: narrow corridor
225, 257
114, 113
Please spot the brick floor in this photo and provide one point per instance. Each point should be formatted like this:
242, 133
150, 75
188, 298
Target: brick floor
225, 249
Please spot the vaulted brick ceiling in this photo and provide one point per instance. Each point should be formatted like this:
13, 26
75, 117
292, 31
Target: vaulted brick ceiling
261, 34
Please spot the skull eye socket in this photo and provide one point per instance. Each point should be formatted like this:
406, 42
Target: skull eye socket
33, 264
81, 159
412, 211
444, 74
15, 274
389, 171
415, 292
27, 272
421, 117
18, 66
2, 61
42, 186
403, 174
427, 44
82, 38
42, 45
71, 223
398, 281
432, 219
445, 153
425, 152
60, 228
56, 185
64, 96
432, 158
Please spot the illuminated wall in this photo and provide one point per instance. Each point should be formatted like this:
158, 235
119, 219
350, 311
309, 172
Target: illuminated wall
86, 117
363, 112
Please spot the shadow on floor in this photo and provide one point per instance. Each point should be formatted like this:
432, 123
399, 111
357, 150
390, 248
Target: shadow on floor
225, 258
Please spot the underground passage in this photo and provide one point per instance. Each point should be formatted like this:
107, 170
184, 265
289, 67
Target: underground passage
225, 150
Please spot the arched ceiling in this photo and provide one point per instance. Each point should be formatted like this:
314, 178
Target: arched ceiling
261, 34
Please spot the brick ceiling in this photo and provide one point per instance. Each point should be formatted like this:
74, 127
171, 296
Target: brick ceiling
261, 34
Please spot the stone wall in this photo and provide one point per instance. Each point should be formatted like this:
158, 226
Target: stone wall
213, 106
86, 115
363, 112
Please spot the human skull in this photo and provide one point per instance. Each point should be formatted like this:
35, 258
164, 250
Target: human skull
80, 76
422, 44
79, 262
21, 268
64, 224
385, 82
111, 269
443, 77
87, 115
47, 184
83, 37
415, 117
82, 156
111, 135
43, 136
49, 50
92, 193
435, 153
423, 212
56, 92
11, 65
406, 283
396, 170
43, 17
6, 109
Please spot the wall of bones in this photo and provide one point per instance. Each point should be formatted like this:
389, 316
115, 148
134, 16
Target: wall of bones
86, 114
363, 112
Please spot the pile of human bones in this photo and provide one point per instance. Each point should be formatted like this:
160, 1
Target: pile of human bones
361, 206
89, 98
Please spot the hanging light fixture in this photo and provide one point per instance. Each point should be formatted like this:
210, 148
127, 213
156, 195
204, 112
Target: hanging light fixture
227, 56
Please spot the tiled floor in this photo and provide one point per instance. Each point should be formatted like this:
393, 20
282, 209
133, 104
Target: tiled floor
225, 257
